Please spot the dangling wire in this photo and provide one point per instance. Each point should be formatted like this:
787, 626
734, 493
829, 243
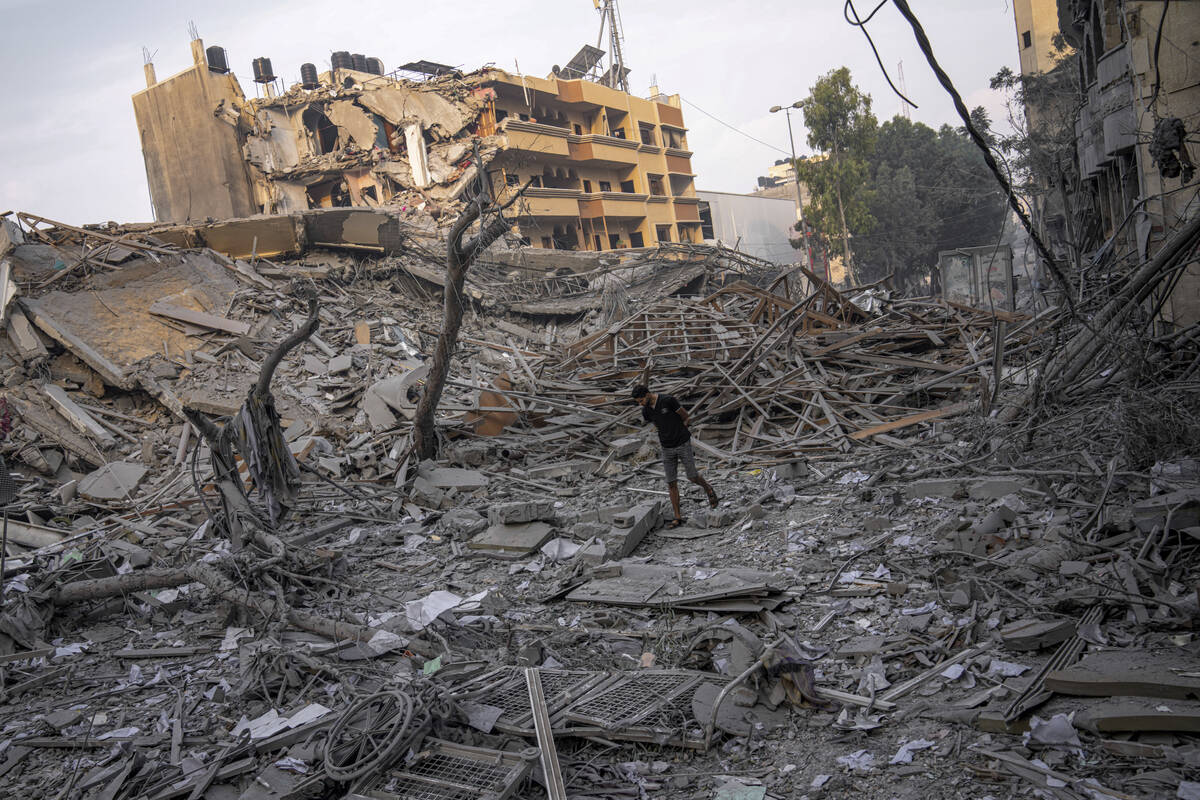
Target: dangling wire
861, 24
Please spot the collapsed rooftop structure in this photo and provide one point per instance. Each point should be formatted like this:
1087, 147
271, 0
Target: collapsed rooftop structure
603, 169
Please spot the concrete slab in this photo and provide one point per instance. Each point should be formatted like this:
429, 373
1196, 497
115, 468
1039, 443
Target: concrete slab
942, 487
456, 478
513, 540
994, 488
115, 481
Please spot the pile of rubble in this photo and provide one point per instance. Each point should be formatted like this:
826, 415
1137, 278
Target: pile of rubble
227, 574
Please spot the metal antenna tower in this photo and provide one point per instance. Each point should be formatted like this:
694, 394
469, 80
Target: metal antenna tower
610, 15
903, 89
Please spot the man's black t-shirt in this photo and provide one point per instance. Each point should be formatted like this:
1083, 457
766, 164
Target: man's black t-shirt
671, 430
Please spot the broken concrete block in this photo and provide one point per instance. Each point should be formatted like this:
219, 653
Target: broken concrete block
943, 487
462, 521
314, 365
340, 364
994, 488
455, 478
114, 481
790, 470
1070, 568
625, 446
994, 522
426, 494
719, 518
521, 512
512, 540
630, 527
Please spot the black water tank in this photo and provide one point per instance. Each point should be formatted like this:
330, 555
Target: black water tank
217, 61
359, 62
341, 60
375, 66
262, 70
308, 76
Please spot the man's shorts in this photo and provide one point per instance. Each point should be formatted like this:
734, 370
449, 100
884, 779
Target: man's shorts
671, 457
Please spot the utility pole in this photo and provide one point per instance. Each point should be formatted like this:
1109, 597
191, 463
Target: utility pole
787, 112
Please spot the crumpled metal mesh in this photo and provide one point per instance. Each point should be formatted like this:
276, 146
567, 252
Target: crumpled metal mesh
271, 465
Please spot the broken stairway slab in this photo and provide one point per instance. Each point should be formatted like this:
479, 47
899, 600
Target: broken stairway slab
1138, 673
1137, 715
630, 528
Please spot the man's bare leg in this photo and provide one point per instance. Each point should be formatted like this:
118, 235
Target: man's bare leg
673, 491
708, 489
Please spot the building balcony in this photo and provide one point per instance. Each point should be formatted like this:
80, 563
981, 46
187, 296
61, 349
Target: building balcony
679, 164
687, 209
533, 137
589, 93
603, 150
670, 115
614, 205
543, 202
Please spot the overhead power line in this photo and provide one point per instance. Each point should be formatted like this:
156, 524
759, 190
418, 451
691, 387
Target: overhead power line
732, 128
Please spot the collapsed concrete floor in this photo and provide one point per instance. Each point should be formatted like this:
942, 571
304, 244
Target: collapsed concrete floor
906, 598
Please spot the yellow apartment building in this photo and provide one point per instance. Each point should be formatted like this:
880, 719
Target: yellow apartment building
608, 170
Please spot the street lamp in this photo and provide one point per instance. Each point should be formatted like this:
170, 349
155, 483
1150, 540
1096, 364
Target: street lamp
787, 112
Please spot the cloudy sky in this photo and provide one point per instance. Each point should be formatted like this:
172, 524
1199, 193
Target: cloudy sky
69, 145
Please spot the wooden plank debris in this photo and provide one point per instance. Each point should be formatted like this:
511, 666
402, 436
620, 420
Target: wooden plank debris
200, 318
80, 419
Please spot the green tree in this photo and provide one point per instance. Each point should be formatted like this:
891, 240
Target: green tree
906, 226
952, 199
842, 128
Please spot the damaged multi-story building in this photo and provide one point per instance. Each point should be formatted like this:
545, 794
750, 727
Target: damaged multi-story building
602, 169
1139, 101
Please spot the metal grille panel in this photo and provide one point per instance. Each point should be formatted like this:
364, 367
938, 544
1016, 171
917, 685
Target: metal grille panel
636, 696
481, 774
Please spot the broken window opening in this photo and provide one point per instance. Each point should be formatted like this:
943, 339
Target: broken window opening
1026, 40
546, 243
323, 134
578, 129
587, 187
706, 222
647, 134
512, 179
605, 186
662, 233
627, 187
599, 244
636, 240
614, 241
656, 184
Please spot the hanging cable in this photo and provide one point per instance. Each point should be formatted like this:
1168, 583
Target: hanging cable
861, 24
735, 130
1158, 37
977, 137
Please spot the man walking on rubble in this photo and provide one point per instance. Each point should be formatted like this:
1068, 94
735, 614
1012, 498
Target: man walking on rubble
671, 419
